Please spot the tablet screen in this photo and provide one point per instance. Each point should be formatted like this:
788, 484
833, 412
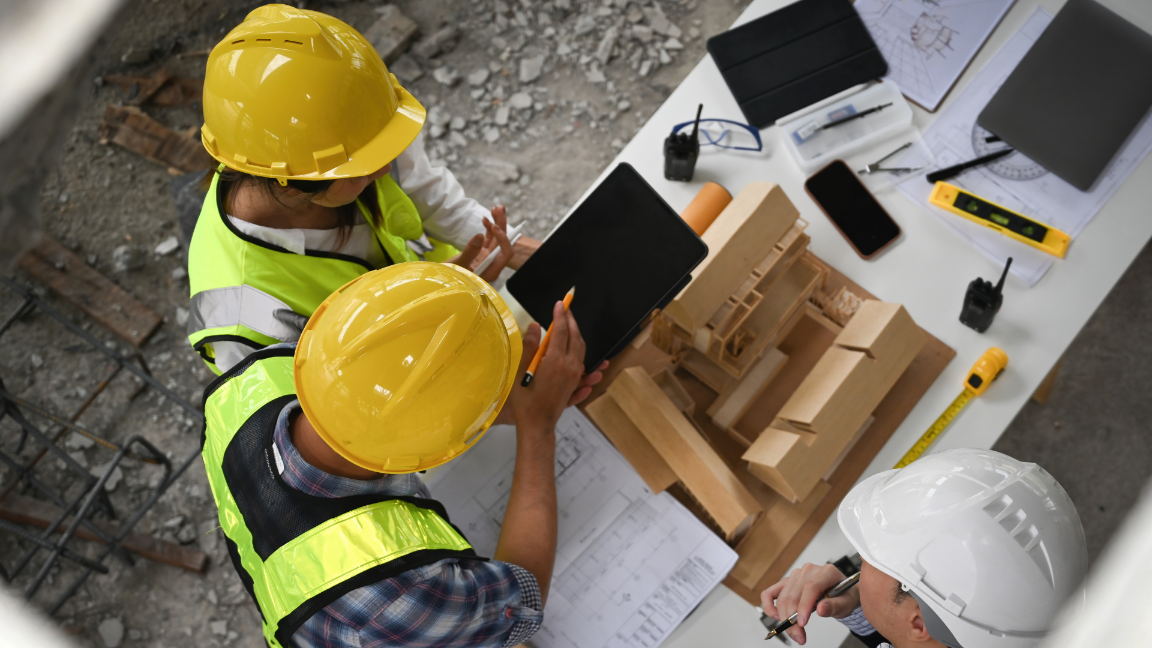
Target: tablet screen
624, 249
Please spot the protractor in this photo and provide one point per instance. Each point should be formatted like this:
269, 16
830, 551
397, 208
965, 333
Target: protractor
1010, 167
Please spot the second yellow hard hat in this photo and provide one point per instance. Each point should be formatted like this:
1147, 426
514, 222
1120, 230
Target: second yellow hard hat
405, 367
297, 94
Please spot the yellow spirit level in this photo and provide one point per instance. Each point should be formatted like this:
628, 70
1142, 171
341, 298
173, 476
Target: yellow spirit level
1005, 221
986, 369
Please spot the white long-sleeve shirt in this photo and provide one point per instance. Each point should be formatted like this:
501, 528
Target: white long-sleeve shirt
447, 213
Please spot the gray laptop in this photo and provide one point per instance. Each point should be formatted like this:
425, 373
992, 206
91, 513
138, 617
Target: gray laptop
1077, 95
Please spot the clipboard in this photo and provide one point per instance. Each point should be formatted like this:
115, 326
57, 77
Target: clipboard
625, 250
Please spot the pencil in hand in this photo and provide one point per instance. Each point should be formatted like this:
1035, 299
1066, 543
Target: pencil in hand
535, 364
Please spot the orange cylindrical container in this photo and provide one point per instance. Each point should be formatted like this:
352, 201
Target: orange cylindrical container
705, 207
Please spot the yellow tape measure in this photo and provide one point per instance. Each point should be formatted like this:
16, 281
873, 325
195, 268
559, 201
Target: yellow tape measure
986, 369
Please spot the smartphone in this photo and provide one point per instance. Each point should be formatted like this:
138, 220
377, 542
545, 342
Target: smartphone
852, 209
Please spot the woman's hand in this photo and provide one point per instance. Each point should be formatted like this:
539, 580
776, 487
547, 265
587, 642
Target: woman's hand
494, 241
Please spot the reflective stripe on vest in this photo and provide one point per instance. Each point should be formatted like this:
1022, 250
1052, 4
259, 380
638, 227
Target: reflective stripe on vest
256, 287
324, 561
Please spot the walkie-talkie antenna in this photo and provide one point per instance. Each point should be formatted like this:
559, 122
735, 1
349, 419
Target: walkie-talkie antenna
1000, 284
696, 126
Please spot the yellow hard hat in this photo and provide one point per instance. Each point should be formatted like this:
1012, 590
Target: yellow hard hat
296, 94
405, 367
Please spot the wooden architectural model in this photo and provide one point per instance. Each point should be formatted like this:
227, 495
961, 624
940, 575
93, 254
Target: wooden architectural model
745, 395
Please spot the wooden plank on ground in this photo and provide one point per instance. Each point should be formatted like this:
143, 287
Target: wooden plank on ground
84, 287
25, 510
137, 132
173, 91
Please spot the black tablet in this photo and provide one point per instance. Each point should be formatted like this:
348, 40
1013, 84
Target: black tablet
626, 252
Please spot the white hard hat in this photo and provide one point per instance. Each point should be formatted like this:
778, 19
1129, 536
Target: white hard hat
990, 547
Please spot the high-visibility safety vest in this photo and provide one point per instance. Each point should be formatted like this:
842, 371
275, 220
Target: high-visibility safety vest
296, 553
256, 293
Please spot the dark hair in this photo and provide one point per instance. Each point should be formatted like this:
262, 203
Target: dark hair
899, 595
230, 179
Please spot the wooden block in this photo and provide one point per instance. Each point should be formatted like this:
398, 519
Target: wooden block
738, 397
392, 34
829, 407
696, 464
174, 91
38, 513
848, 448
675, 392
641, 352
828, 399
137, 132
605, 412
149, 87
771, 534
706, 370
68, 276
739, 238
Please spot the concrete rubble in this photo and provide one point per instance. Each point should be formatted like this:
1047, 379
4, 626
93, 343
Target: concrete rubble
527, 102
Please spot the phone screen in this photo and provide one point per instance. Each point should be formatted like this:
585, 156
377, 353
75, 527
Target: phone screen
852, 208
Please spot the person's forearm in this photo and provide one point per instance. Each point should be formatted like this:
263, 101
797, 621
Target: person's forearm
528, 535
523, 248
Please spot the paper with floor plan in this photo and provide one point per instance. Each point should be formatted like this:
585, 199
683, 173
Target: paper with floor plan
1014, 181
929, 43
630, 565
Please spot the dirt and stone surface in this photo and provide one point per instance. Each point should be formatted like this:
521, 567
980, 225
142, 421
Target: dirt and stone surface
528, 102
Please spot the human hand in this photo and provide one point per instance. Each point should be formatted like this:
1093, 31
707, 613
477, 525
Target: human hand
559, 381
803, 592
583, 390
481, 246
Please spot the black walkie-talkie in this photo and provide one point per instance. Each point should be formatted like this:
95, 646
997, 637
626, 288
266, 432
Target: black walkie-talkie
982, 302
681, 151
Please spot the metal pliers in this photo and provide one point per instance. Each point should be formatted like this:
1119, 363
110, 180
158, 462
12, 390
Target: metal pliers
876, 168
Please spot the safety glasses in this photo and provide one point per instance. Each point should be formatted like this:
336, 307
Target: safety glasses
725, 133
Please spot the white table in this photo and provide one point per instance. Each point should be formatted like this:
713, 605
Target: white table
927, 271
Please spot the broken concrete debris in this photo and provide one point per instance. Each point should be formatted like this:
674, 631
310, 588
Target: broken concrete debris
392, 34
607, 42
125, 258
168, 246
442, 41
406, 69
111, 632
501, 170
446, 75
530, 68
520, 100
478, 77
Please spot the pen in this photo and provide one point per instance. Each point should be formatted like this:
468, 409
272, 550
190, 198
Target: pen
856, 116
535, 364
957, 169
840, 588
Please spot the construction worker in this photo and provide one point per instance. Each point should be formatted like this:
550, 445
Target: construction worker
962, 548
312, 451
323, 176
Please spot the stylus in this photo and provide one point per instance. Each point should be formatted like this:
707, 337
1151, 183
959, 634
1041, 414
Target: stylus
856, 116
955, 170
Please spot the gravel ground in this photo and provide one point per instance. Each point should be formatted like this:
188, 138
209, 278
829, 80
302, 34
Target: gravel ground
528, 102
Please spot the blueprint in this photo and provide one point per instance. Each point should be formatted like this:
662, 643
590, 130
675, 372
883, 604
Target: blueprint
630, 565
1014, 182
928, 43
